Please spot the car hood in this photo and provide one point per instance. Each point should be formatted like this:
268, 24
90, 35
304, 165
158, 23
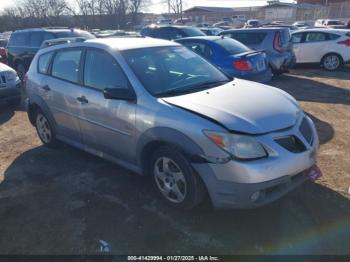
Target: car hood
242, 106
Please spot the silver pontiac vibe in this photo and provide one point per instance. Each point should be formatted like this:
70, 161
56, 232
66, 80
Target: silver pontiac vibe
161, 110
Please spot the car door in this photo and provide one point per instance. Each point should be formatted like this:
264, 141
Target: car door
107, 125
313, 47
60, 89
296, 39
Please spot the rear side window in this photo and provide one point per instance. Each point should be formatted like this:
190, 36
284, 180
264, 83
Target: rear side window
315, 37
332, 36
66, 65
18, 39
249, 38
102, 71
44, 62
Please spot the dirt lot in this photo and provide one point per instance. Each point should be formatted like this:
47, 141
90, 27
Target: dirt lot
64, 201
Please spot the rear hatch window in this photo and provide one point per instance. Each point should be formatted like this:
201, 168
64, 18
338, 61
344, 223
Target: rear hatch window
232, 46
191, 31
249, 38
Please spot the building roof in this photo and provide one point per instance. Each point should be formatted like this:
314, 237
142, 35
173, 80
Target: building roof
273, 4
210, 9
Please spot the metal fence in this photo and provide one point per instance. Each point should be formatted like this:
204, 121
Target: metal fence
332, 11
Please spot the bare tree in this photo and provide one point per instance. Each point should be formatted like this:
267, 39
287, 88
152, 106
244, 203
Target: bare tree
135, 7
175, 6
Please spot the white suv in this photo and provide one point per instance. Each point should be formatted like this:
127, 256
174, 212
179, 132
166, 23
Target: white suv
329, 47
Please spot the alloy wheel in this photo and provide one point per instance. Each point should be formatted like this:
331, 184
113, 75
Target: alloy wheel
44, 129
331, 62
170, 180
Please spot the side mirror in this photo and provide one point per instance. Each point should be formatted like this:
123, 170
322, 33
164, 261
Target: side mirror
119, 94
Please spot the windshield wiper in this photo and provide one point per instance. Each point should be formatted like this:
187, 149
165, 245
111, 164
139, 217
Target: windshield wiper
192, 88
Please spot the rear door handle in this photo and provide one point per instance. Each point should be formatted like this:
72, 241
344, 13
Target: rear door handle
46, 88
82, 99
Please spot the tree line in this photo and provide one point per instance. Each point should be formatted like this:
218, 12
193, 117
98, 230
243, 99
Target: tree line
104, 14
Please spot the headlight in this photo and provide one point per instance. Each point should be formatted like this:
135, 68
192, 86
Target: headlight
11, 75
242, 147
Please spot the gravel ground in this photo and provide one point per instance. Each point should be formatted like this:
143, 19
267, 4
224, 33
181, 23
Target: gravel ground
64, 201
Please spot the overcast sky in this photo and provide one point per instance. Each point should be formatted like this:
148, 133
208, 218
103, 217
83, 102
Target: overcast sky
157, 6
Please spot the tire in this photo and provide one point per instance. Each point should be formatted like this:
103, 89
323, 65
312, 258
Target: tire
21, 71
332, 62
44, 129
180, 186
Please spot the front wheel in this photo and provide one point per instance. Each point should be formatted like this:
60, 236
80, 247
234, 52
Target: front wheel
175, 179
44, 129
332, 62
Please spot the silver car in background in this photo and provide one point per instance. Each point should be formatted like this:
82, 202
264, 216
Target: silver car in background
161, 110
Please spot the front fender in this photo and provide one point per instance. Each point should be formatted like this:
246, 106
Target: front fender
165, 135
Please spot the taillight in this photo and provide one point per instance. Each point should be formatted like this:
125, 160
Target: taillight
242, 65
346, 42
276, 42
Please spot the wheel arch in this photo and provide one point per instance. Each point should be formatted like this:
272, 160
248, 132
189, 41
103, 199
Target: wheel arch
37, 103
157, 137
332, 53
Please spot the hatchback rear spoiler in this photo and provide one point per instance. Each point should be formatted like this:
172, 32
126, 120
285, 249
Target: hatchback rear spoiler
252, 52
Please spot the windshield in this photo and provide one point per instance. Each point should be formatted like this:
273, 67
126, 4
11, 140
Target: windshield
232, 46
172, 70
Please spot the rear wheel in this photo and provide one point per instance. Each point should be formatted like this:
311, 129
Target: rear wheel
175, 179
44, 129
332, 62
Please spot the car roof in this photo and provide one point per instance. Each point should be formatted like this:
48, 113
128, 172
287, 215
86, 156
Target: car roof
175, 26
46, 29
260, 29
125, 43
324, 30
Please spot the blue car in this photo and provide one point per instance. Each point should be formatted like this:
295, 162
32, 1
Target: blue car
231, 56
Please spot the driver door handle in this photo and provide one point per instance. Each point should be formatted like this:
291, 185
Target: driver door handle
82, 99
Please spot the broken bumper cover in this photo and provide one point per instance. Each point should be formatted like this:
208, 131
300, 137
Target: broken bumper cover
252, 195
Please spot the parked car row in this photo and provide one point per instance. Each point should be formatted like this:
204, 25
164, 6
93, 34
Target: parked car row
162, 110
324, 46
24, 44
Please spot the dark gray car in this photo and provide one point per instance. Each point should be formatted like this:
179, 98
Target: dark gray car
275, 41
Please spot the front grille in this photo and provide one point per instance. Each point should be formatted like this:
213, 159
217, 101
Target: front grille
291, 143
306, 131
